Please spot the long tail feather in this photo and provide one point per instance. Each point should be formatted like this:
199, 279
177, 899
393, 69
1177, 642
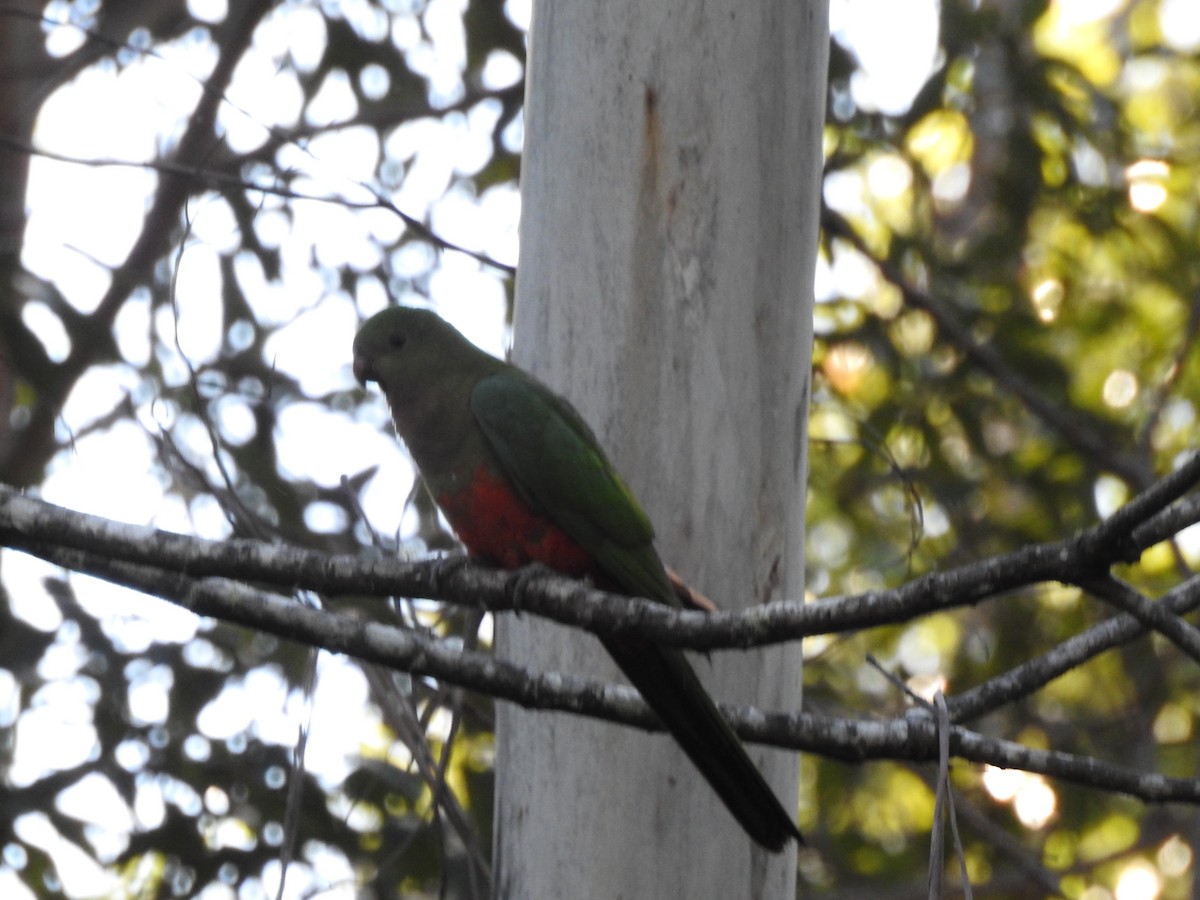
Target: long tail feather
673, 690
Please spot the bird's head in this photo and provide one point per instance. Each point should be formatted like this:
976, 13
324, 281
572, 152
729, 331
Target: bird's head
423, 365
402, 348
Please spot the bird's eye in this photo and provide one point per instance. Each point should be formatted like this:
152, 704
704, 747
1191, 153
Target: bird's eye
397, 340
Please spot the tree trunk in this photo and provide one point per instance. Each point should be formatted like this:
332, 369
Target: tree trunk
670, 194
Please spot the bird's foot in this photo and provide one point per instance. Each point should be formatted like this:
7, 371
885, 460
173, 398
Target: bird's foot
447, 566
518, 582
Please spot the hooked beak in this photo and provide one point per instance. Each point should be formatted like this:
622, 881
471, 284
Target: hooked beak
362, 371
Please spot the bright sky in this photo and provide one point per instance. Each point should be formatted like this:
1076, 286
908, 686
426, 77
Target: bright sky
83, 221
888, 77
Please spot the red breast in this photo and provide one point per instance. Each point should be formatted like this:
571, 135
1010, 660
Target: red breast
496, 525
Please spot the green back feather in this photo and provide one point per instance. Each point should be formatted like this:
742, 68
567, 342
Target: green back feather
555, 462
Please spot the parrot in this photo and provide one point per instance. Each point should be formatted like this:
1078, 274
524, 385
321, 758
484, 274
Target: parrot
522, 480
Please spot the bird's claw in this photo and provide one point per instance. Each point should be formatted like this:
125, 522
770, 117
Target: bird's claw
519, 580
446, 566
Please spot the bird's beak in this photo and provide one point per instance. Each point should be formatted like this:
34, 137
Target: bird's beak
362, 371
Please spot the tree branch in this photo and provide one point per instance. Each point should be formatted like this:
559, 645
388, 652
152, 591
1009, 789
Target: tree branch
913, 737
26, 524
198, 176
1033, 674
208, 577
91, 334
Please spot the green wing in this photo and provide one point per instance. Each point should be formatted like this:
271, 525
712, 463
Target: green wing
557, 466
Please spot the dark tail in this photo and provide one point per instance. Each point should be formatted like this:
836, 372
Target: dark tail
673, 690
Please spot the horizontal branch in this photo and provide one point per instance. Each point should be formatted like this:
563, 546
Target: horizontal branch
912, 738
27, 523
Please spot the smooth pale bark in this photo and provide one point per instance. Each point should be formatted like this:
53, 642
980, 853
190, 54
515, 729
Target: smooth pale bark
670, 186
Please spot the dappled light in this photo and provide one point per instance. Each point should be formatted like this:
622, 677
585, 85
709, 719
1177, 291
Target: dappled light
1005, 354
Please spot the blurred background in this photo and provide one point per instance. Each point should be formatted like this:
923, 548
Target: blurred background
1007, 311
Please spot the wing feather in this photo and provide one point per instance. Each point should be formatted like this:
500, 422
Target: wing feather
556, 464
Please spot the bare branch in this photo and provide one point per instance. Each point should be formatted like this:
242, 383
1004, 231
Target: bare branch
209, 578
1156, 616
29, 524
91, 336
1041, 670
913, 737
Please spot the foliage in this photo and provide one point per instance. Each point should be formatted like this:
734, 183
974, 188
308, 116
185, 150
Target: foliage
1017, 360
1004, 351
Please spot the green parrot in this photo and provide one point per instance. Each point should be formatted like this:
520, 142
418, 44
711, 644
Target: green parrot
522, 479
